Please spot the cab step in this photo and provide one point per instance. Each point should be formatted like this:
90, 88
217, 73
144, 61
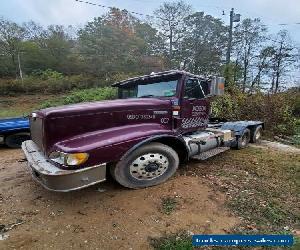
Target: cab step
210, 153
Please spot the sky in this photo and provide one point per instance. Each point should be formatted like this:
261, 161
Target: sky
46, 12
70, 12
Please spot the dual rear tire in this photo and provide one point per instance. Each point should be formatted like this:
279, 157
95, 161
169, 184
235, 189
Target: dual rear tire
247, 136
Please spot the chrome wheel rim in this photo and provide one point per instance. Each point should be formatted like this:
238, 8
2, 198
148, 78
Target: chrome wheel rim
244, 139
149, 166
258, 135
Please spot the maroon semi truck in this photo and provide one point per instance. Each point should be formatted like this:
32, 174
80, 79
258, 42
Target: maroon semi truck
158, 121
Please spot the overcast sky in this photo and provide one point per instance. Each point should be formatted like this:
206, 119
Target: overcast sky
46, 12
272, 12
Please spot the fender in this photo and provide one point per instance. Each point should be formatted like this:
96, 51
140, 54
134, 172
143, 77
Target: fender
239, 126
111, 144
175, 142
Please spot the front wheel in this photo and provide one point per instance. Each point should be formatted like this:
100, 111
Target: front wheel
147, 166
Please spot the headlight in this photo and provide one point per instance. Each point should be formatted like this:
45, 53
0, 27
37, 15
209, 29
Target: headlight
69, 159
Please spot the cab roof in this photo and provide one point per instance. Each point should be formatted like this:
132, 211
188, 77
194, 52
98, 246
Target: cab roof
158, 75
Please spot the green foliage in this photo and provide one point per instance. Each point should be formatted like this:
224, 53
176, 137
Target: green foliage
113, 43
85, 95
274, 109
168, 205
296, 137
295, 93
231, 72
204, 43
178, 241
48, 74
50, 82
296, 245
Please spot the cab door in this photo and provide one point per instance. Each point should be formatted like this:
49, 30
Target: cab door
194, 106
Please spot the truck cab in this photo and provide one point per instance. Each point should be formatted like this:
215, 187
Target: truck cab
158, 121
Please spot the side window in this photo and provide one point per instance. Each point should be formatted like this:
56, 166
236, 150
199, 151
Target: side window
193, 89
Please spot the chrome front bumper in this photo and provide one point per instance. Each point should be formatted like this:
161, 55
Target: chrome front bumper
56, 179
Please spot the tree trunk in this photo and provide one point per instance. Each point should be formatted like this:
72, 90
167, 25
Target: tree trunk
273, 83
277, 81
278, 67
171, 44
245, 75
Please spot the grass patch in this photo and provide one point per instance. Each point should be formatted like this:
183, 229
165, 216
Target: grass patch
168, 205
86, 95
13, 106
262, 186
178, 241
296, 245
12, 113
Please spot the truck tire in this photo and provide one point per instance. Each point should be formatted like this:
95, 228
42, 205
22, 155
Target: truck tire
244, 139
147, 166
257, 133
15, 140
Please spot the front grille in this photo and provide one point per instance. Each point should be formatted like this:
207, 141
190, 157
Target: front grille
36, 130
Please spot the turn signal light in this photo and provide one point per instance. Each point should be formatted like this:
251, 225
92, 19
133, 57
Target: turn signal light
76, 159
69, 159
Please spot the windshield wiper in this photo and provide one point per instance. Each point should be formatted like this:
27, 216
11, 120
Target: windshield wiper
145, 96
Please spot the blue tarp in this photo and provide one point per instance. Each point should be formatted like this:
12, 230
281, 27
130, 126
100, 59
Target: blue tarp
14, 124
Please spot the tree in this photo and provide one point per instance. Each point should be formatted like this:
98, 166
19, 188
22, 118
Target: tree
11, 36
203, 44
283, 58
112, 43
248, 38
263, 63
170, 18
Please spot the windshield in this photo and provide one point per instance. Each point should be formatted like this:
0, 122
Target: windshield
162, 88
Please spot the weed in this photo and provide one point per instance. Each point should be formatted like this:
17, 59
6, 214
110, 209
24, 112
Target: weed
178, 241
168, 205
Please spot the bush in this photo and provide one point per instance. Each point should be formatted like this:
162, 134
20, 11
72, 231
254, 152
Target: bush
86, 95
37, 85
276, 110
52, 82
48, 74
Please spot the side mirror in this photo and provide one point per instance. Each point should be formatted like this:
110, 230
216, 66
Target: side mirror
217, 85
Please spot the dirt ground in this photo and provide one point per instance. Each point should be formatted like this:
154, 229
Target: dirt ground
105, 216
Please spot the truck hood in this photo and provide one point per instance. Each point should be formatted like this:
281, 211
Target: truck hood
104, 106
53, 125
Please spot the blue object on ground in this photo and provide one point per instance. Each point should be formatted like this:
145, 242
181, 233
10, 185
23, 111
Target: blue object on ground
14, 124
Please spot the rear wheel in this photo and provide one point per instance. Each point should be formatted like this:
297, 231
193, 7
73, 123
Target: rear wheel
15, 140
147, 166
244, 139
257, 134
